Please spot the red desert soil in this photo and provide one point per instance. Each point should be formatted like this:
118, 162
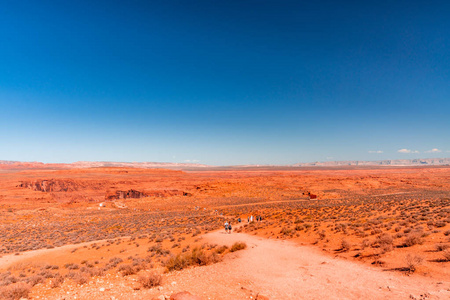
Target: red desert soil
277, 269
326, 233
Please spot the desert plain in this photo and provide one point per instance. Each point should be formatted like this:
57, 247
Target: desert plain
138, 233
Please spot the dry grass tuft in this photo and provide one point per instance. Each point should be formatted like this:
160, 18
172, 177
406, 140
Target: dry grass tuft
150, 280
412, 262
238, 246
15, 291
197, 257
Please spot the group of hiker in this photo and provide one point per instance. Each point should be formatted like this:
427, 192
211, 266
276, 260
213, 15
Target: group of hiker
250, 219
227, 227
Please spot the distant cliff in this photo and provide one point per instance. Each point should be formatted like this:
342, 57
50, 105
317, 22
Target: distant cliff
390, 162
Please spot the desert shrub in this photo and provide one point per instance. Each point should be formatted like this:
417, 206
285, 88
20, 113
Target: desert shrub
412, 262
178, 262
286, 231
221, 249
238, 246
446, 254
441, 247
345, 245
127, 270
35, 279
365, 243
57, 281
440, 224
7, 279
203, 258
71, 266
78, 277
82, 278
150, 280
95, 272
196, 257
15, 291
299, 227
386, 242
322, 234
413, 238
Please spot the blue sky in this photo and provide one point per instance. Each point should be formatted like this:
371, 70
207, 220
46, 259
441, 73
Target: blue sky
224, 82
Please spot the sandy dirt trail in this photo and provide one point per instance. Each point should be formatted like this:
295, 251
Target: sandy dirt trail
283, 270
277, 269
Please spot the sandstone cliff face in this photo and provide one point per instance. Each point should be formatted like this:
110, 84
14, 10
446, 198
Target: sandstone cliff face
126, 194
50, 185
134, 194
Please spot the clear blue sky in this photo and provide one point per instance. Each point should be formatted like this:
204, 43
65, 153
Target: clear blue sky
224, 82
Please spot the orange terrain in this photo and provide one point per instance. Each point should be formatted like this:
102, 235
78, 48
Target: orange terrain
146, 233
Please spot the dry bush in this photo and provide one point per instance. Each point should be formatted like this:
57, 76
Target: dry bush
150, 280
71, 266
78, 277
35, 279
446, 254
238, 246
286, 231
365, 243
386, 242
441, 247
412, 262
7, 279
221, 249
197, 257
57, 281
413, 238
95, 272
345, 245
127, 270
15, 291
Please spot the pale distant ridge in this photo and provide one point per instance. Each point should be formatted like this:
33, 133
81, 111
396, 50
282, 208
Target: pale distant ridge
97, 164
389, 162
6, 164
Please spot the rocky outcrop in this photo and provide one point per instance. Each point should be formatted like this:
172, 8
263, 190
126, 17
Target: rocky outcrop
134, 194
50, 185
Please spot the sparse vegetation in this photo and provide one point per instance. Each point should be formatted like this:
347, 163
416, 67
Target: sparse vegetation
360, 215
150, 280
15, 291
412, 262
238, 246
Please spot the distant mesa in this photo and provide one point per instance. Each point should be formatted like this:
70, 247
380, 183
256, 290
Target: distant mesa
394, 162
17, 165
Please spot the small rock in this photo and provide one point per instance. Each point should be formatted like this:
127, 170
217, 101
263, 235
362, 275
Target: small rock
102, 289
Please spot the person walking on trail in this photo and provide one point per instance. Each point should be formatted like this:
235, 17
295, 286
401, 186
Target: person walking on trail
229, 227
226, 226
